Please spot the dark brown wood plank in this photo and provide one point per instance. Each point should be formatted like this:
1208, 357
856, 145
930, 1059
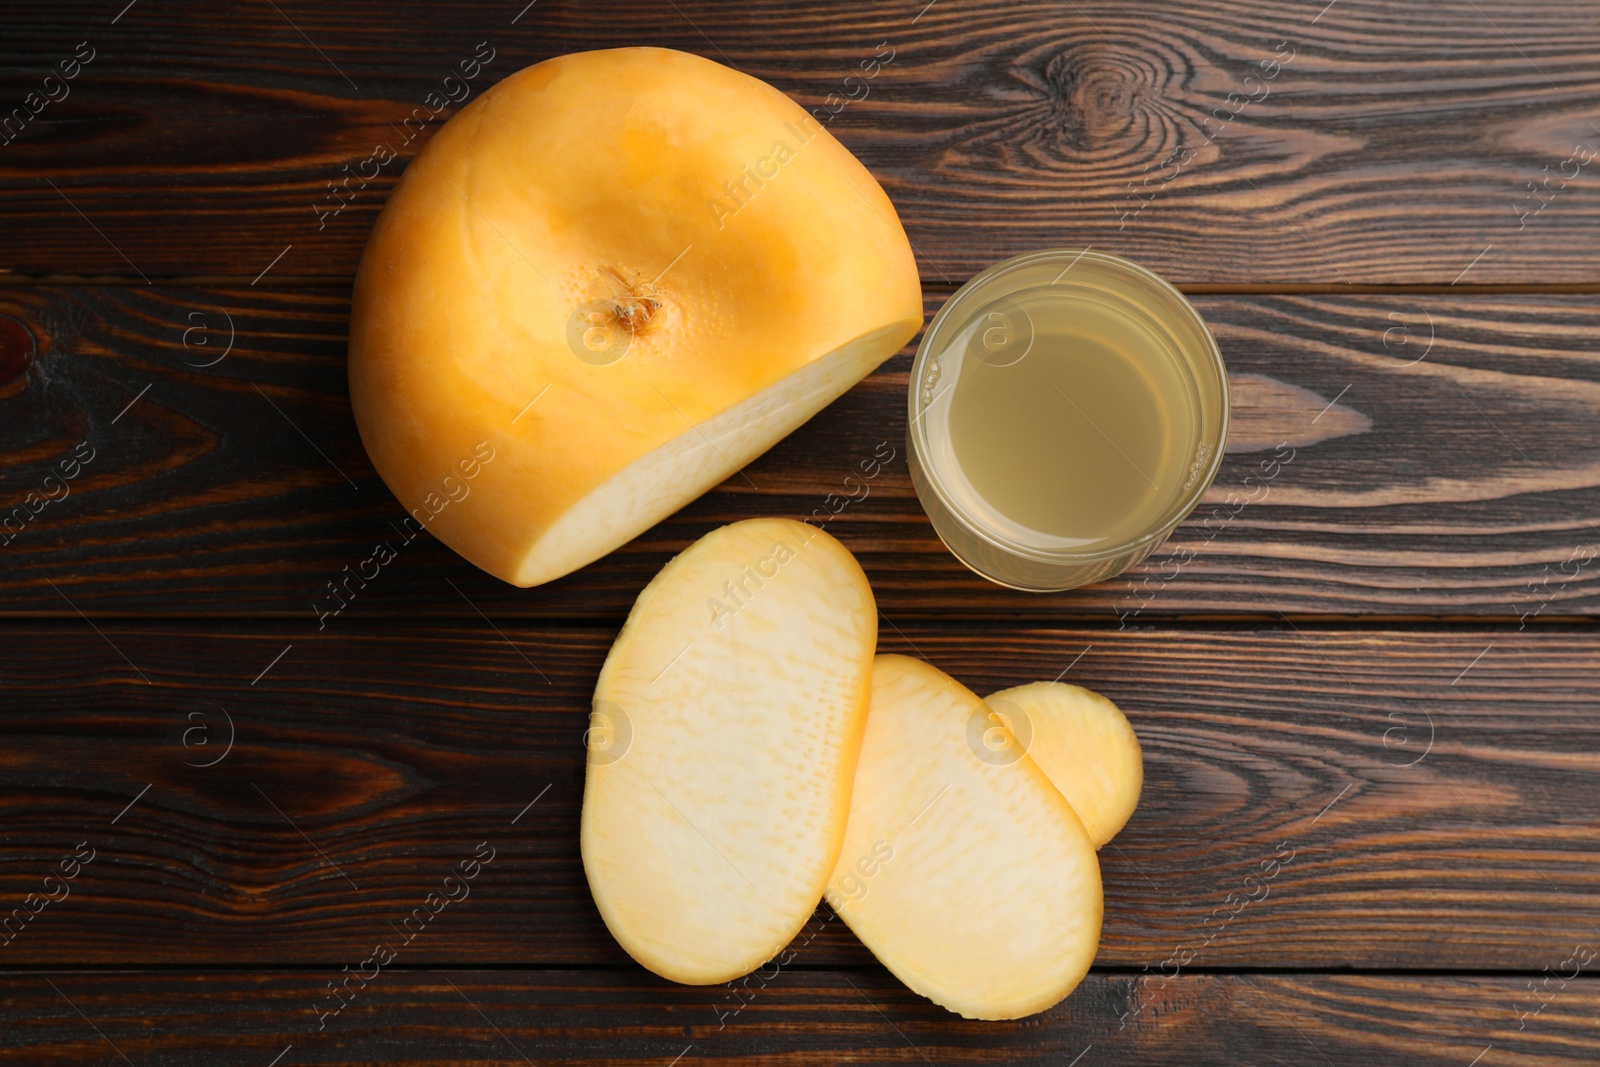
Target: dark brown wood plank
1444, 462
1398, 144
828, 1017
1417, 799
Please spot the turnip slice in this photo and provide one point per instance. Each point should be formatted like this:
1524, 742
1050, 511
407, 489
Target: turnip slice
723, 742
969, 876
1084, 744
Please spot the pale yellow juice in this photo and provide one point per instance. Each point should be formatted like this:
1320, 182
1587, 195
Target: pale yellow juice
1085, 439
1064, 419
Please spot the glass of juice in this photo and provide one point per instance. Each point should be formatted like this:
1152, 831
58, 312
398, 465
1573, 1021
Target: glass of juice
1068, 408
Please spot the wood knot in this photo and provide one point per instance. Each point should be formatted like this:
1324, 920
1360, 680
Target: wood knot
1095, 93
17, 349
1099, 100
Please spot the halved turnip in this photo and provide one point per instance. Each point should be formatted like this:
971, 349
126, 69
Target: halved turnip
621, 275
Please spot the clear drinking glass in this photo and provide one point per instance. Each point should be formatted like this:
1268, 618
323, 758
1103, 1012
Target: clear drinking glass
1067, 410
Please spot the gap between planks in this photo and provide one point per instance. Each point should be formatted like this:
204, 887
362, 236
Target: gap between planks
943, 622
201, 281
1107, 971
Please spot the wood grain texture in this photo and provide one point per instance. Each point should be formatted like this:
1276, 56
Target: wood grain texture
1444, 462
1312, 799
1398, 144
827, 1017
1361, 840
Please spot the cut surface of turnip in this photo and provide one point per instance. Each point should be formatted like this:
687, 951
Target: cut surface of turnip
726, 726
970, 878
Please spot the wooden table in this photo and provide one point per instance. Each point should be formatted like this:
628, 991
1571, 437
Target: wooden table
1378, 662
